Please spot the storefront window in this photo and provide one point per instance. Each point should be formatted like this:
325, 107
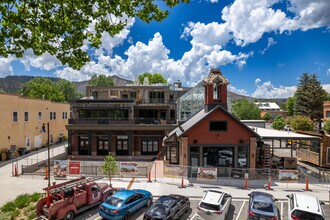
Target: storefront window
242, 156
218, 157
150, 147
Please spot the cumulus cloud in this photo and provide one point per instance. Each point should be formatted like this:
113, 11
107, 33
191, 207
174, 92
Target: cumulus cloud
326, 87
237, 91
267, 90
257, 81
328, 72
43, 62
5, 68
271, 42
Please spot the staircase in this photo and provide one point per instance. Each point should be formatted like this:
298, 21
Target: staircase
267, 160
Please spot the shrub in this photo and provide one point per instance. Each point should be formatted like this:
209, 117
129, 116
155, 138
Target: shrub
8, 207
326, 126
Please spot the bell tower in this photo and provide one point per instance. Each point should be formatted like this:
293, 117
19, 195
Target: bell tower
215, 90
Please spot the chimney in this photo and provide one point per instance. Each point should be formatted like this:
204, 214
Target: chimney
215, 90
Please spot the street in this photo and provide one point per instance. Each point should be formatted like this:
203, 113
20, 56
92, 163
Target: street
238, 211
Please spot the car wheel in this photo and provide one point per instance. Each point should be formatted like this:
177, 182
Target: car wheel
148, 202
69, 215
126, 216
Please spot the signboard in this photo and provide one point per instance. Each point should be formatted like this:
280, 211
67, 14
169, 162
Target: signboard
59, 168
74, 168
207, 173
128, 168
288, 176
175, 171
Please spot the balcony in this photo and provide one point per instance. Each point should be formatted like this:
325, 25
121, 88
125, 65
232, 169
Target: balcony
96, 121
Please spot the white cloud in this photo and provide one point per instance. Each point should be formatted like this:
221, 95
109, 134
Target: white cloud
214, 1
267, 90
271, 42
5, 68
257, 81
43, 62
328, 72
326, 87
237, 91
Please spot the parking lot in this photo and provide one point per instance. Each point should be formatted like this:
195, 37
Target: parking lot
238, 211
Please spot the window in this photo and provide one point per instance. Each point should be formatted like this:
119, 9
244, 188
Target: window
15, 116
52, 115
150, 147
328, 155
26, 116
216, 92
39, 116
327, 114
64, 115
218, 125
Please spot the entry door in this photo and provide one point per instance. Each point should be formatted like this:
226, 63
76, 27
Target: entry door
122, 145
174, 156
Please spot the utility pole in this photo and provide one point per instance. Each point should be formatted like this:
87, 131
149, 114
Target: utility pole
48, 154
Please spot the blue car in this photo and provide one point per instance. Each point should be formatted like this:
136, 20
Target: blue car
124, 203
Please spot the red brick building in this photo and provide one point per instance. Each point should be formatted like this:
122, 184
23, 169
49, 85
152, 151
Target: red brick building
213, 137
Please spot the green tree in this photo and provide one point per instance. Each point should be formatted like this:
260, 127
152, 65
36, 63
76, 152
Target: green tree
309, 97
278, 123
153, 78
109, 167
246, 110
301, 123
68, 89
326, 126
42, 88
289, 105
61, 27
267, 116
100, 80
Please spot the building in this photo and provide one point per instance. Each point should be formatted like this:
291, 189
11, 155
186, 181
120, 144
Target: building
326, 110
271, 108
212, 136
22, 120
127, 121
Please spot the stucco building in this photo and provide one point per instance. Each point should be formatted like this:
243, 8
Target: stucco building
22, 119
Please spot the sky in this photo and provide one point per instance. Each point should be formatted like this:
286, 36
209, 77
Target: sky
261, 46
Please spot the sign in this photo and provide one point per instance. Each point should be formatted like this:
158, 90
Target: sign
74, 168
288, 176
128, 168
59, 168
175, 171
207, 173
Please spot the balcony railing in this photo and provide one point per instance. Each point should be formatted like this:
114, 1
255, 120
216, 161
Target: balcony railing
96, 121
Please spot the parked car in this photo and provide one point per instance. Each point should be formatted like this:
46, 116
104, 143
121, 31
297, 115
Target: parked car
168, 208
124, 203
214, 205
262, 206
305, 207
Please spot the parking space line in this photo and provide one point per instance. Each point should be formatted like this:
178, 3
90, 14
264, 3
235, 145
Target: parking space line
282, 210
193, 217
239, 213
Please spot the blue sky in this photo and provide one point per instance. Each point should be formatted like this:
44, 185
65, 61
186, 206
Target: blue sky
262, 47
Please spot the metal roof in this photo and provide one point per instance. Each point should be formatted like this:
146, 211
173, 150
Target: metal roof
266, 133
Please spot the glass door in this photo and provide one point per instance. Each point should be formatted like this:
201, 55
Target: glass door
122, 145
174, 156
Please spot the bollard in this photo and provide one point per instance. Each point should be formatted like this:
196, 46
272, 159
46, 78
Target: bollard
15, 170
246, 183
149, 177
46, 174
182, 184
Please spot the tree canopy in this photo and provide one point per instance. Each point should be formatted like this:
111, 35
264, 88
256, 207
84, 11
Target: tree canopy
267, 117
100, 80
109, 167
278, 123
309, 97
153, 78
44, 88
62, 27
301, 123
289, 105
246, 110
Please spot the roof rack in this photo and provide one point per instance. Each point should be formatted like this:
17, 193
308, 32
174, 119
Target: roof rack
70, 184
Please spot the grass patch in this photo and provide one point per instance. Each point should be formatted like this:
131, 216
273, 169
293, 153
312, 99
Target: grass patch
32, 215
15, 213
8, 207
35, 197
22, 201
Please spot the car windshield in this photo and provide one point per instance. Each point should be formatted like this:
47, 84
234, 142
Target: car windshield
210, 206
114, 201
263, 206
306, 215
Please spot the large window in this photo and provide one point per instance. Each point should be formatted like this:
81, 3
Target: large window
242, 156
102, 145
216, 92
15, 116
327, 114
150, 147
83, 145
218, 125
218, 157
26, 116
39, 116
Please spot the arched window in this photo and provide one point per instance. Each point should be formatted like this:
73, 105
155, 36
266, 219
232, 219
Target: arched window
216, 92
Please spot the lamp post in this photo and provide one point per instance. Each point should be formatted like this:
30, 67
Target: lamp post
48, 149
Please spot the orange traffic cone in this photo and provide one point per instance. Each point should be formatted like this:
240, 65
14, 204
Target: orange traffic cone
268, 184
149, 177
182, 183
306, 187
46, 173
15, 170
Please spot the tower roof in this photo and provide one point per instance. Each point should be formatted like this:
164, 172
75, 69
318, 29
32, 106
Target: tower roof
215, 77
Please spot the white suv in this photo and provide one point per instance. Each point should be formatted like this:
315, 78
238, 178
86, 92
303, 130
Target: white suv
304, 207
214, 205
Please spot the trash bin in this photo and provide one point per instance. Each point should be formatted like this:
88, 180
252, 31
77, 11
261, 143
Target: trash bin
9, 155
21, 151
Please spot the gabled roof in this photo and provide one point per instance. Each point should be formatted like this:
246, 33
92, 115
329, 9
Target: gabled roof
193, 120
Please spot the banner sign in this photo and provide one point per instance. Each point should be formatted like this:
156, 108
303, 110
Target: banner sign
74, 168
288, 176
128, 168
59, 168
207, 173
174, 171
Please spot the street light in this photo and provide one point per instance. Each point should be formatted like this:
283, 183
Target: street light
48, 162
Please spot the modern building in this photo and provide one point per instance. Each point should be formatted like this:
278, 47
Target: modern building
127, 121
271, 108
212, 136
22, 120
